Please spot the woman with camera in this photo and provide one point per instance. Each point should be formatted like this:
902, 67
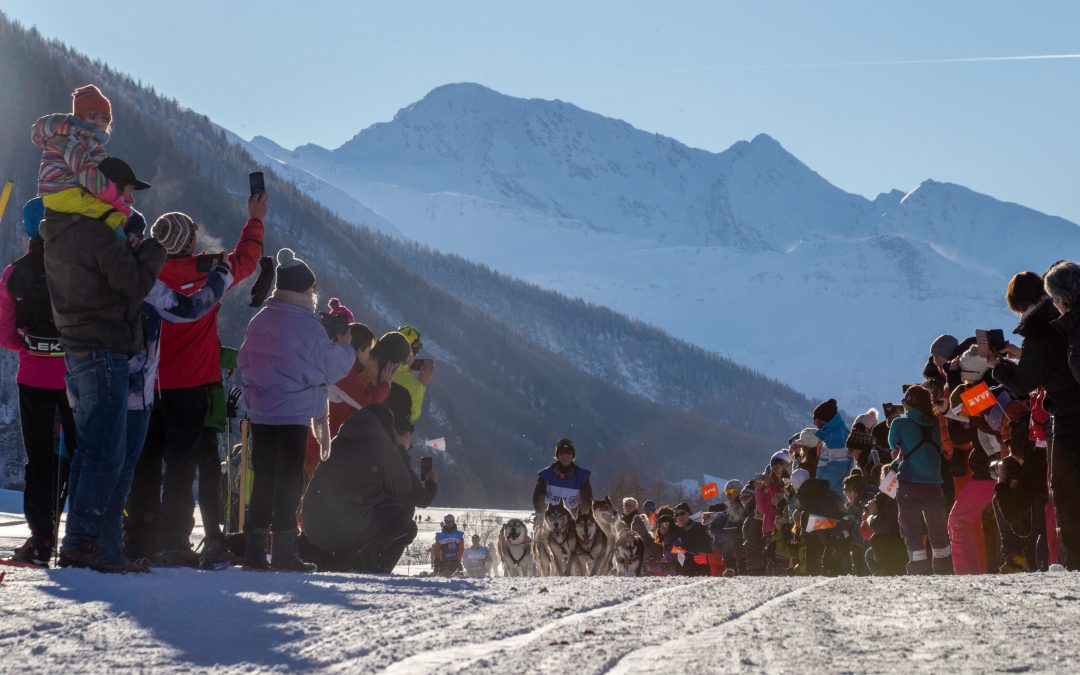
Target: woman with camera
287, 363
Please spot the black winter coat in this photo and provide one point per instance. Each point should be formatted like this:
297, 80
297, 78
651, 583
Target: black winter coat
695, 539
1044, 363
365, 470
1068, 325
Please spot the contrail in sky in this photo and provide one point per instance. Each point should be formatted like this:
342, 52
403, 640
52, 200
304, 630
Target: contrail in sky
911, 62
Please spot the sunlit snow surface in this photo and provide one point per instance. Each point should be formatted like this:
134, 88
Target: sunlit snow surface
185, 620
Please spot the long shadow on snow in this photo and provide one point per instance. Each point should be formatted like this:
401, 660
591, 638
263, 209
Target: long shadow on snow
205, 617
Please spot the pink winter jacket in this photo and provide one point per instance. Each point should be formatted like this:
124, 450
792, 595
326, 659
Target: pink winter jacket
43, 372
763, 500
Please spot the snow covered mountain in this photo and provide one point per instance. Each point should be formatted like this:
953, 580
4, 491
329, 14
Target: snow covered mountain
747, 252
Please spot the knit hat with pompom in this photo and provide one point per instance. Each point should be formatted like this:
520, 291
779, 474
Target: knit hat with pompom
293, 274
338, 309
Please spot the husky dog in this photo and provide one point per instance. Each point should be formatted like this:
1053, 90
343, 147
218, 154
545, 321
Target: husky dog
591, 547
629, 551
559, 539
515, 549
606, 517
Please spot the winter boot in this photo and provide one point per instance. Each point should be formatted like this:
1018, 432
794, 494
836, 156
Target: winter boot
215, 553
923, 566
177, 557
255, 550
88, 556
943, 565
284, 556
34, 551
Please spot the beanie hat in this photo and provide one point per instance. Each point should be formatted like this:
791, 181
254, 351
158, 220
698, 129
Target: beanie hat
392, 347
798, 477
717, 507
175, 231
807, 438
665, 511
87, 99
780, 457
381, 413
972, 366
448, 519
665, 517
338, 309
880, 432
565, 444
868, 419
32, 213
943, 346
293, 274
649, 506
825, 411
682, 506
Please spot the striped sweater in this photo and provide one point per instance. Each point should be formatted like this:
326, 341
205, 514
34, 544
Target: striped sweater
71, 150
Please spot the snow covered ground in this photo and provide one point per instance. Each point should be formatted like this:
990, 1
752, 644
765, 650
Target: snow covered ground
186, 620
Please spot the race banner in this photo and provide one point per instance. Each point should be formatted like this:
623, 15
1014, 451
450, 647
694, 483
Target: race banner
816, 523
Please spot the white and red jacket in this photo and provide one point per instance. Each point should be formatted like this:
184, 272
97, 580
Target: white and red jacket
191, 352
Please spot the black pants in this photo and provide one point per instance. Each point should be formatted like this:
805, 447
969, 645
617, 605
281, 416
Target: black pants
1065, 492
210, 483
278, 460
160, 509
376, 550
39, 410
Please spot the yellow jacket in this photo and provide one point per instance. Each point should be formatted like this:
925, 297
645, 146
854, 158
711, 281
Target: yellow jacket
78, 200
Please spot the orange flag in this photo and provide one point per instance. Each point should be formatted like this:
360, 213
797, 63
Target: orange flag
977, 399
710, 491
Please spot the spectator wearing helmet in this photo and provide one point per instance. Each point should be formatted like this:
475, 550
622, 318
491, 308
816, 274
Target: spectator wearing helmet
563, 481
728, 533
418, 375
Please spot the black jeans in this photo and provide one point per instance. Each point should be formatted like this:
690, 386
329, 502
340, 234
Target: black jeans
278, 460
1065, 492
39, 411
210, 483
160, 509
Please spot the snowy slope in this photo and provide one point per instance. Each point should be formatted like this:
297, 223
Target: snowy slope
747, 252
235, 621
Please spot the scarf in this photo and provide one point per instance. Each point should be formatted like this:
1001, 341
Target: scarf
305, 300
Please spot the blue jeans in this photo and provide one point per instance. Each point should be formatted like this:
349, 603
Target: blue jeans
97, 384
112, 528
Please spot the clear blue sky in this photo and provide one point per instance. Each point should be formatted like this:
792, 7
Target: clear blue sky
821, 77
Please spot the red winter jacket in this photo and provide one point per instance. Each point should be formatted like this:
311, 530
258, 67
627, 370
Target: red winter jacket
191, 352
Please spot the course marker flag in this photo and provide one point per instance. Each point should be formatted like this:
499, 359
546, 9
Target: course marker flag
437, 444
889, 483
815, 523
710, 491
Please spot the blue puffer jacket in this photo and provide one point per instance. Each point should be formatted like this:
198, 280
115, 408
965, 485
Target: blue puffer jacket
834, 435
919, 461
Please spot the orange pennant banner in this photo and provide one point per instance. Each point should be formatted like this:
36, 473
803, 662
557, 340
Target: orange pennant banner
710, 491
977, 399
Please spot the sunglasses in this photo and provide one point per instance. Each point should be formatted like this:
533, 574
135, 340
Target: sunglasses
101, 116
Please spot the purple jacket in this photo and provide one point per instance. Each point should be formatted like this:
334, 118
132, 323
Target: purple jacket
287, 362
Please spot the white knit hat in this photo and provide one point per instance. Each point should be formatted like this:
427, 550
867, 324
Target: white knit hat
972, 366
807, 438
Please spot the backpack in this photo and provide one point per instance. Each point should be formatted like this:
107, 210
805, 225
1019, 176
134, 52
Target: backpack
33, 306
927, 439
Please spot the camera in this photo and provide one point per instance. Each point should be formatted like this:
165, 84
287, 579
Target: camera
418, 364
334, 324
206, 262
